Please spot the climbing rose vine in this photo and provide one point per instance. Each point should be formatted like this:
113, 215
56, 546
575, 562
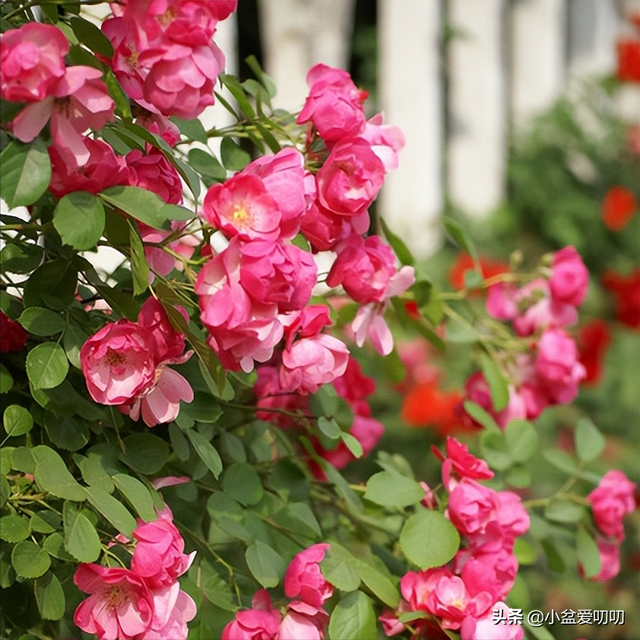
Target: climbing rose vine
175, 429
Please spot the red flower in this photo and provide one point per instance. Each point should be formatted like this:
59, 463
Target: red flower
425, 404
464, 262
626, 293
618, 207
628, 60
593, 341
12, 335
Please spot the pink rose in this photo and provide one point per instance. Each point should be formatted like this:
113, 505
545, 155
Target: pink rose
158, 556
325, 229
569, 277
161, 126
271, 395
350, 178
153, 172
78, 101
101, 170
31, 61
385, 140
609, 560
120, 605
334, 104
557, 365
510, 514
483, 627
303, 622
494, 572
173, 609
364, 268
471, 507
460, 461
353, 385
477, 390
303, 578
262, 622
118, 362
277, 273
610, 501
169, 343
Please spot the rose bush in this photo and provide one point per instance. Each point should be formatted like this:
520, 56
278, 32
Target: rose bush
233, 518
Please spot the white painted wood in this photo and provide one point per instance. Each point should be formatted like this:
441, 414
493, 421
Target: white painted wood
477, 106
536, 56
410, 95
594, 28
296, 34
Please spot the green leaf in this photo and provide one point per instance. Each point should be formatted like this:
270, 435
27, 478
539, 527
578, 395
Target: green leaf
22, 460
79, 218
242, 483
6, 379
66, 432
21, 258
522, 440
118, 95
462, 239
54, 546
329, 427
539, 633
216, 589
341, 568
481, 416
206, 451
192, 129
45, 521
139, 203
137, 494
113, 510
563, 511
494, 450
17, 420
53, 285
398, 246
25, 172
390, 489
30, 560
80, 536
266, 565
42, 322
14, 528
52, 475
90, 36
49, 597
145, 453
381, 586
353, 444
265, 80
497, 382
139, 264
428, 539
524, 551
233, 157
588, 553
354, 618
47, 365
589, 441
236, 90
561, 460
207, 165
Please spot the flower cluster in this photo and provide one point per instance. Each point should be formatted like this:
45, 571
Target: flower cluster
73, 99
126, 364
144, 602
304, 617
164, 55
462, 595
549, 372
610, 501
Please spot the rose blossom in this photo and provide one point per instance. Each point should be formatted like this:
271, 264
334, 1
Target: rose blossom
471, 507
158, 556
569, 277
118, 363
152, 171
12, 335
101, 170
173, 609
386, 141
350, 178
494, 572
484, 628
31, 61
261, 622
609, 560
334, 104
303, 578
461, 462
120, 605
78, 101
610, 501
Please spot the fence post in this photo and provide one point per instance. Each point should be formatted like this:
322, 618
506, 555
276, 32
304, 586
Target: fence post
410, 95
537, 52
477, 104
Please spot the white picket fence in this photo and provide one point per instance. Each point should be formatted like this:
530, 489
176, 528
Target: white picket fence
505, 61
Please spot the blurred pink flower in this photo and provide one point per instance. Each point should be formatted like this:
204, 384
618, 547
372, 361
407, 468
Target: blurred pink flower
303, 578
610, 501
